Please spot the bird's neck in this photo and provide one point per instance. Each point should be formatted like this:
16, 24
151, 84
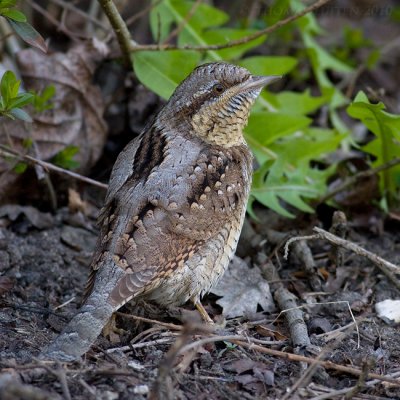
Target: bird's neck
225, 130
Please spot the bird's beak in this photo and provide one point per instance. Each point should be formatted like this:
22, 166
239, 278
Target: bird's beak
258, 82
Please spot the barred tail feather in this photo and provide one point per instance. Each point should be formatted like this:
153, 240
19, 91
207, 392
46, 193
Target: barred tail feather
77, 337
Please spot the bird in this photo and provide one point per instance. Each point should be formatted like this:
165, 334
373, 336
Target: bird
175, 204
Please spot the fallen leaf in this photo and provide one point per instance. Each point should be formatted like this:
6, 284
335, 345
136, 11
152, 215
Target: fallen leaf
76, 118
75, 202
242, 289
269, 332
250, 372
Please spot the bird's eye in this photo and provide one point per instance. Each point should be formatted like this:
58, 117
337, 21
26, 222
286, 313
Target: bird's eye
218, 88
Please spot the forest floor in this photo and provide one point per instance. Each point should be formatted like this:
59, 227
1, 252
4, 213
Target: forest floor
45, 261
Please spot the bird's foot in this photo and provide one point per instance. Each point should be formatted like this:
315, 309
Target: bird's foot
204, 315
111, 331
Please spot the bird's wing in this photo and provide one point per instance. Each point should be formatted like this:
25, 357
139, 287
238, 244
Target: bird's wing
161, 211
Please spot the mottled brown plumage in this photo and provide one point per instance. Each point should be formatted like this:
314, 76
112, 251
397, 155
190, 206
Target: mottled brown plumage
175, 205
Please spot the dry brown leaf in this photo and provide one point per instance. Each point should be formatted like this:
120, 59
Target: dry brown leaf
269, 332
77, 116
242, 290
252, 375
75, 202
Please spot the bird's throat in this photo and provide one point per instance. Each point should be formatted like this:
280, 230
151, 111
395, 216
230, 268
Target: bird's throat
225, 131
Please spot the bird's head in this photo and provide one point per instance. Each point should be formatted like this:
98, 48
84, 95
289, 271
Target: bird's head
215, 100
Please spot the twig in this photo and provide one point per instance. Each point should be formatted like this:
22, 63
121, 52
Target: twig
163, 387
7, 152
286, 301
386, 267
93, 10
142, 12
360, 175
303, 253
339, 228
367, 366
332, 334
233, 43
76, 10
293, 240
382, 264
241, 341
309, 360
54, 21
65, 303
185, 21
165, 340
332, 394
306, 376
151, 321
60, 374
119, 27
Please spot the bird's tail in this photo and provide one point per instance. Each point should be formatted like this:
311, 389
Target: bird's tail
84, 328
81, 332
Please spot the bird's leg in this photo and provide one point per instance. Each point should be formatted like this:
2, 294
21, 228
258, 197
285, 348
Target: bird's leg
203, 312
111, 329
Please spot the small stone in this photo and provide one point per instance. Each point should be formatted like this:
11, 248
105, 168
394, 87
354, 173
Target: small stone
141, 389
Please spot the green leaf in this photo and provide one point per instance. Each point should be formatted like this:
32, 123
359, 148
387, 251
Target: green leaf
41, 101
271, 65
20, 167
226, 35
7, 4
386, 145
21, 100
177, 11
14, 15
199, 29
20, 114
163, 71
27, 143
28, 34
289, 177
373, 59
7, 87
295, 103
266, 127
64, 158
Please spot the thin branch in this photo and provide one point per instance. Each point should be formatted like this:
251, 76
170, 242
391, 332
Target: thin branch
361, 175
286, 302
386, 267
54, 21
151, 321
185, 21
119, 27
6, 152
378, 261
326, 364
142, 12
233, 43
76, 10
241, 341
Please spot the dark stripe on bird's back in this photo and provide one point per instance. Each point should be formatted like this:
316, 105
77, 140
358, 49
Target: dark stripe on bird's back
149, 155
